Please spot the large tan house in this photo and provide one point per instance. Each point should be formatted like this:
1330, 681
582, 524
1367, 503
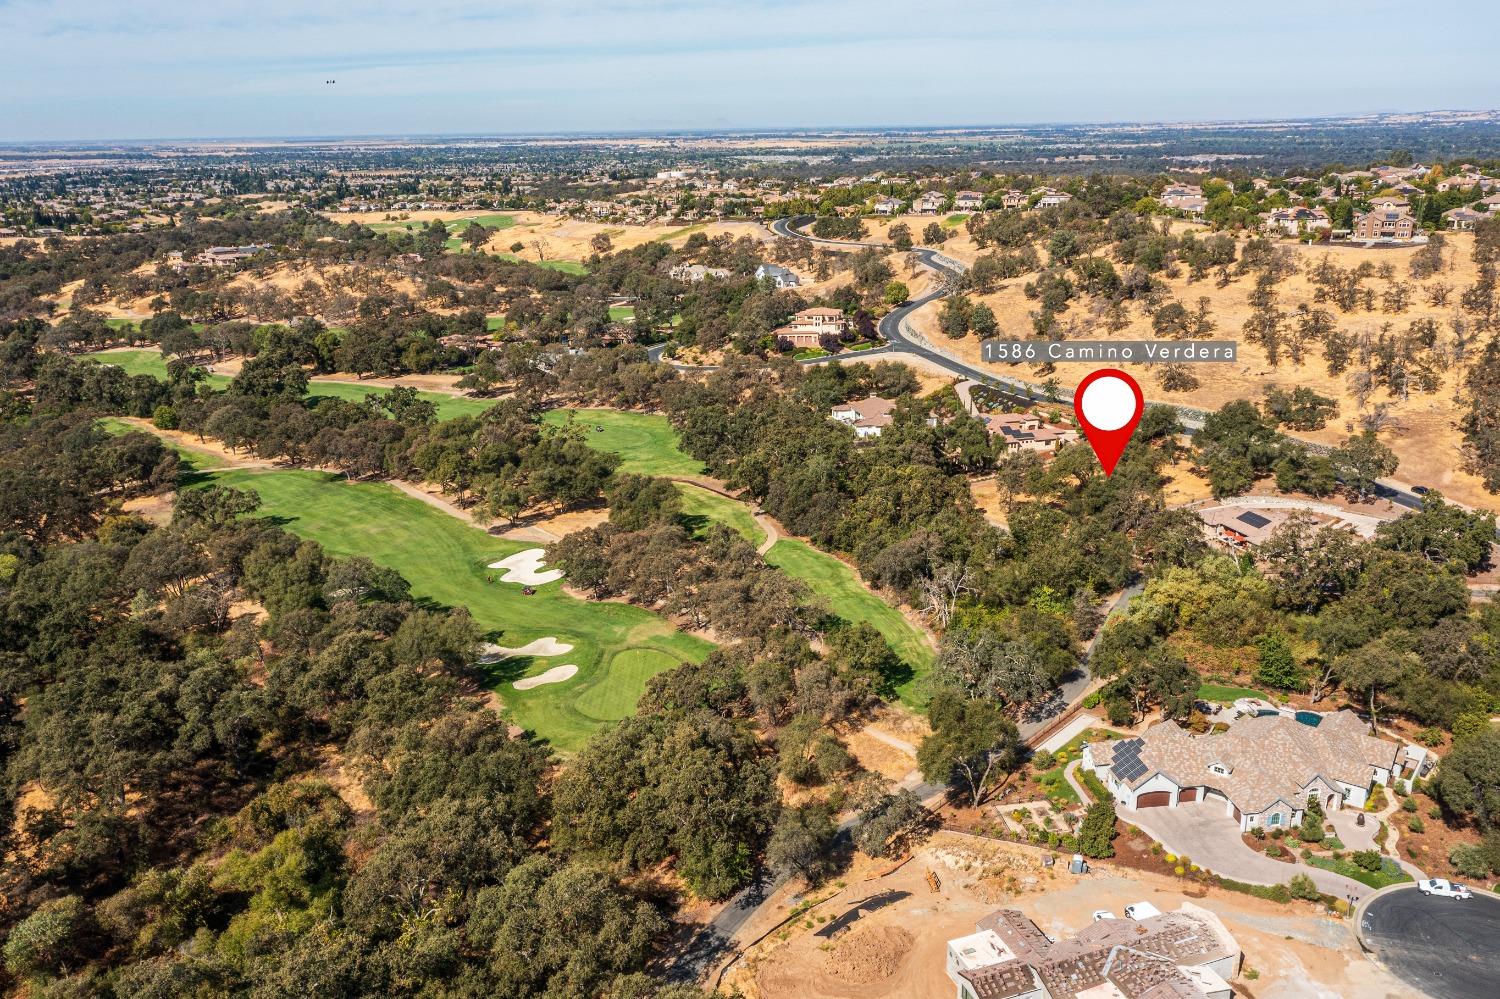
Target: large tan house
868, 416
1263, 769
1296, 220
811, 327
1390, 224
1028, 432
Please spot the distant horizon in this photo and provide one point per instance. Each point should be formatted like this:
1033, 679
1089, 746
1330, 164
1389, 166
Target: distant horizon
667, 131
161, 70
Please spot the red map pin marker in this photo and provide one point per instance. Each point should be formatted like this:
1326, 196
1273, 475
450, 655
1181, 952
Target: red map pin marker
1109, 405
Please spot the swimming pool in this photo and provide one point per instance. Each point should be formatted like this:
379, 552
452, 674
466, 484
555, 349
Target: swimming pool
1312, 719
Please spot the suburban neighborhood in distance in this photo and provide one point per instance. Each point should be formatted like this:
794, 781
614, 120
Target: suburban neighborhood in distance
719, 501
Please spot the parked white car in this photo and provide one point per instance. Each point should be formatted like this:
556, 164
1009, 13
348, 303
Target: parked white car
1104, 914
1443, 888
1141, 910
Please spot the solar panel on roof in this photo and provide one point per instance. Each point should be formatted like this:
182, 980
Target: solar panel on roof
1253, 519
1126, 761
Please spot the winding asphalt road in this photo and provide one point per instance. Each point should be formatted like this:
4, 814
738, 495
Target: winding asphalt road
894, 329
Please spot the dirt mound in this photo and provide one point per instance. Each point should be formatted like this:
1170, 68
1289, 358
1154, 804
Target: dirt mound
869, 954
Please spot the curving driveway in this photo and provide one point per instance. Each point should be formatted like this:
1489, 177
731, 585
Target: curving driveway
1202, 832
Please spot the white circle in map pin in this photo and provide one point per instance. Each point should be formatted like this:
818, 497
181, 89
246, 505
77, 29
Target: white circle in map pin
1108, 403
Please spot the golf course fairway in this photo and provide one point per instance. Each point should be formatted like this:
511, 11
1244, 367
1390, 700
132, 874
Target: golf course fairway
616, 647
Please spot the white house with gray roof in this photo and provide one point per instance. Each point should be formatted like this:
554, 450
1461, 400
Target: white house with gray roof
778, 275
1263, 768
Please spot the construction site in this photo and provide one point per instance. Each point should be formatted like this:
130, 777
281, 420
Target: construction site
883, 930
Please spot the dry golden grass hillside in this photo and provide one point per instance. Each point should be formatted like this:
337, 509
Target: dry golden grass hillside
1422, 430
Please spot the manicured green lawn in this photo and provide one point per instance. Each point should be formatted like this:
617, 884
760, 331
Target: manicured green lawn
616, 647
1054, 781
646, 441
145, 361
807, 353
566, 266
193, 459
955, 220
448, 406
686, 230
622, 313
149, 361
700, 508
455, 225
494, 324
1226, 695
835, 582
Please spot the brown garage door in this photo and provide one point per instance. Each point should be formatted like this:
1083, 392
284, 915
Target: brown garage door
1187, 794
1236, 813
1154, 799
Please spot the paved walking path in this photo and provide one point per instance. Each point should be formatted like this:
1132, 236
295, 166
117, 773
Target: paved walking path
1082, 723
1070, 774
890, 740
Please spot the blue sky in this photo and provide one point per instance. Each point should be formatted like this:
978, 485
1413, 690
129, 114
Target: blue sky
94, 69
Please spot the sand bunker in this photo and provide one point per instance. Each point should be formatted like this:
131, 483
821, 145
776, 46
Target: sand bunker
556, 674
526, 568
548, 646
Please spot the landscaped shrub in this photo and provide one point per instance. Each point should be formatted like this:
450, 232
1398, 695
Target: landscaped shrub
1367, 860
1276, 893
1302, 886
1097, 831
1041, 760
1093, 785
1311, 830
1415, 824
1333, 843
1273, 850
1409, 805
1469, 860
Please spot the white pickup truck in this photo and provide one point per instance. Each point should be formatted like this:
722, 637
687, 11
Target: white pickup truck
1443, 888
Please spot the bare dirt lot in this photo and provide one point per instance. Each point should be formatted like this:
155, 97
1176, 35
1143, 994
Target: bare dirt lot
898, 950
